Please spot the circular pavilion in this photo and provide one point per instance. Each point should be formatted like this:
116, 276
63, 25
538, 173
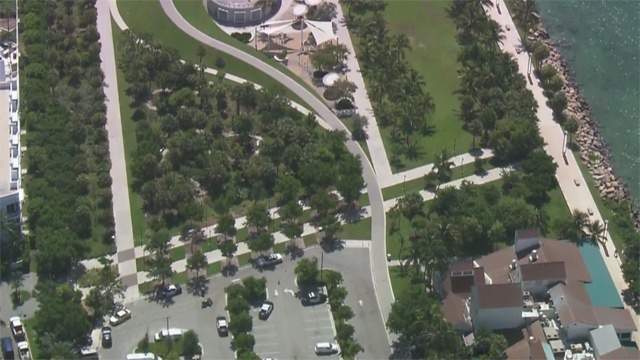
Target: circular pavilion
242, 13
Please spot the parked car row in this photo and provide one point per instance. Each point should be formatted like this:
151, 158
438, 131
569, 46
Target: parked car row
20, 337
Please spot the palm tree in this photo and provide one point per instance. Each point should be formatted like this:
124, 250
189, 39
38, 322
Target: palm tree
443, 166
580, 221
197, 262
597, 230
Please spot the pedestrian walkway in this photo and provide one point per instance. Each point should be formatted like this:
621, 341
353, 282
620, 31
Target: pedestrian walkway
578, 197
420, 171
308, 229
125, 257
363, 104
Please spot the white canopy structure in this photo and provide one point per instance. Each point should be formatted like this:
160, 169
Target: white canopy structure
322, 31
330, 79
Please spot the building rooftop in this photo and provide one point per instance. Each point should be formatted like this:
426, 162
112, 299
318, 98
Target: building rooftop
543, 271
498, 296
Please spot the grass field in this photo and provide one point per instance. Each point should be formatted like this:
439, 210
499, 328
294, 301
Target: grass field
433, 54
130, 145
136, 15
400, 282
417, 185
360, 230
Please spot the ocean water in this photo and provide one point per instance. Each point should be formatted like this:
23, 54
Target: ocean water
600, 39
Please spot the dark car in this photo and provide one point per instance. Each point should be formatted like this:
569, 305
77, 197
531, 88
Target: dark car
265, 310
269, 260
7, 348
222, 326
169, 291
313, 297
106, 337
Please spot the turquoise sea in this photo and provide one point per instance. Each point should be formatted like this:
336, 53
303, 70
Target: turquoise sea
600, 39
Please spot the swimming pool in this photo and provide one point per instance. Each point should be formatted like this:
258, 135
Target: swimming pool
601, 290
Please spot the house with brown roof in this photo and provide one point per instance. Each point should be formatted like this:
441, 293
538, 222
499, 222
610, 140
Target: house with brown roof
537, 283
497, 306
577, 316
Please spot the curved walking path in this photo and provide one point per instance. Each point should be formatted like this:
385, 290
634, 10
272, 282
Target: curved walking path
380, 273
125, 256
577, 197
379, 270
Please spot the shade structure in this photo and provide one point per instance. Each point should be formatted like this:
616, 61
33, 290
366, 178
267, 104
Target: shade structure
312, 2
330, 79
300, 10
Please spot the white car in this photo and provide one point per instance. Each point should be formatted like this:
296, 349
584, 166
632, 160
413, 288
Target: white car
326, 348
23, 350
171, 333
222, 326
120, 316
17, 329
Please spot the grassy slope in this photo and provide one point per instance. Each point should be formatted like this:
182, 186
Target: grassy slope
137, 14
130, 145
400, 282
434, 55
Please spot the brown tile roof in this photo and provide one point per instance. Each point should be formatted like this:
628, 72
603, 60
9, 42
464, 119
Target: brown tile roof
498, 296
619, 318
543, 271
496, 264
567, 252
530, 346
623, 353
573, 305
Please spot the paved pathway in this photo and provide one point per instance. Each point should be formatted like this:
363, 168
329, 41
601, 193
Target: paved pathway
119, 187
361, 99
380, 274
577, 197
420, 171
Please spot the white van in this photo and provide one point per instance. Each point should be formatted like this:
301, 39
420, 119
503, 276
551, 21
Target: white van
143, 356
326, 348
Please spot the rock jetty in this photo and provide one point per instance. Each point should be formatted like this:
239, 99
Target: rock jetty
593, 149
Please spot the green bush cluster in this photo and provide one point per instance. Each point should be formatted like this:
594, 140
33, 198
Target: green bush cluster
495, 104
213, 144
243, 37
342, 313
63, 110
240, 297
397, 90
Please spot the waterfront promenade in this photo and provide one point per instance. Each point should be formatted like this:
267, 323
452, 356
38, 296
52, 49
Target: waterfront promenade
578, 197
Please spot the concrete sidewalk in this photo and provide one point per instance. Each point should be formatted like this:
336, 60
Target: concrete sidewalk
578, 197
120, 188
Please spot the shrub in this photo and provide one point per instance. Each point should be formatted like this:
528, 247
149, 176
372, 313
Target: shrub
240, 323
220, 63
255, 290
241, 36
344, 104
190, 346
243, 342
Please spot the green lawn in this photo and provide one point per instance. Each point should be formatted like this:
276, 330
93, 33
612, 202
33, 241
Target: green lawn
556, 208
434, 55
360, 230
400, 282
170, 350
137, 15
417, 185
130, 145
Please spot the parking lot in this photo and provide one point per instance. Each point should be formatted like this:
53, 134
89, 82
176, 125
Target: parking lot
292, 330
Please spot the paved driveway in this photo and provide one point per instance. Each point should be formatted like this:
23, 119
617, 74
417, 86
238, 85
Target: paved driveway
292, 329
289, 333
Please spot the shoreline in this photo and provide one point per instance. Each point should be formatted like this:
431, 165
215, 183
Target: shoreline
592, 147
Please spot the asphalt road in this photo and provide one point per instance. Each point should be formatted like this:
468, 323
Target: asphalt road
289, 333
379, 270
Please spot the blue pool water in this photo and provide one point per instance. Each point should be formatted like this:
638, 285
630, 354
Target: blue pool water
601, 290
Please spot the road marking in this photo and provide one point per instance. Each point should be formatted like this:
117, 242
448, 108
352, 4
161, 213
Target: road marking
360, 302
235, 280
289, 291
266, 289
318, 328
275, 292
